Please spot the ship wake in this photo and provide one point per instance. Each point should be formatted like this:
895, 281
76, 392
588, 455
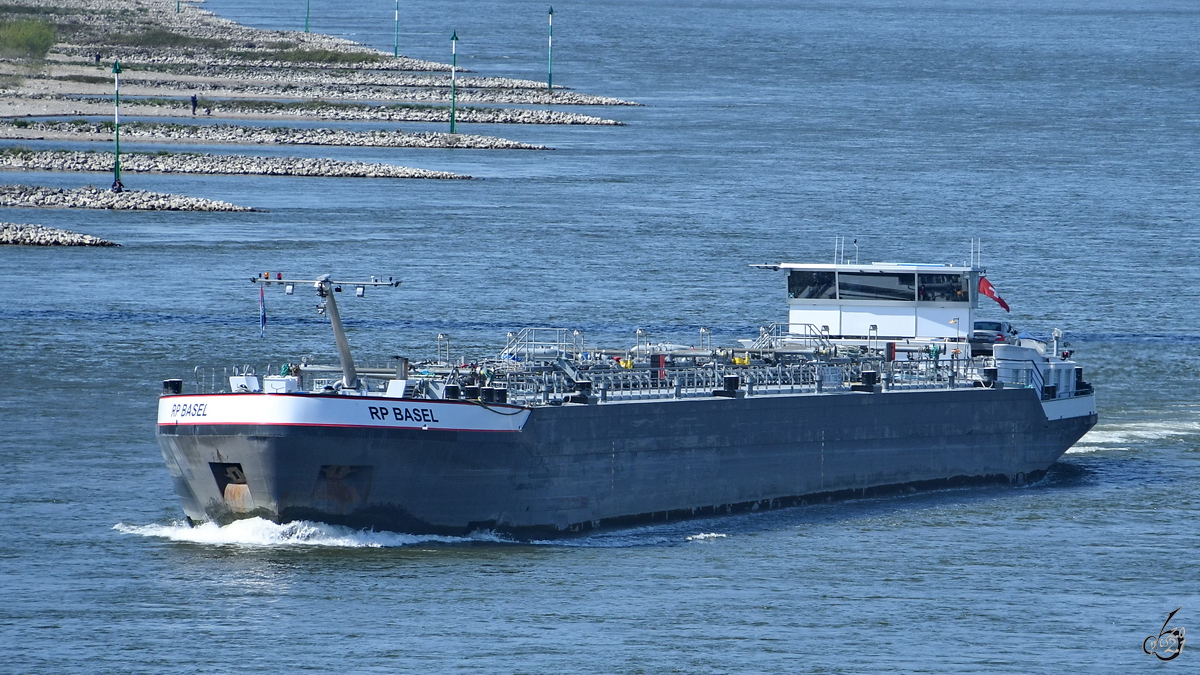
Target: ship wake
260, 533
1122, 435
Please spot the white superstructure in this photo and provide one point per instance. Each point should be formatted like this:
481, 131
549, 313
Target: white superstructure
884, 301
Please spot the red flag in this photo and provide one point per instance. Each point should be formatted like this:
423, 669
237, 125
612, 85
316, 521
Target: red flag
986, 288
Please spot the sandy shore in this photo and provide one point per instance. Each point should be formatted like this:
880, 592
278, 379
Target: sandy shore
197, 52
193, 64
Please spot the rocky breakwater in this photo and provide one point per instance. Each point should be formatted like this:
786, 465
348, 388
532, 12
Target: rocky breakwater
95, 198
185, 59
354, 111
315, 85
40, 235
374, 77
266, 135
236, 165
357, 92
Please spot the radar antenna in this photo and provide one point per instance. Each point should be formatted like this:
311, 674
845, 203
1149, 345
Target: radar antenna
326, 288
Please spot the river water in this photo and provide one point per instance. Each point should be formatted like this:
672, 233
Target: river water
1065, 135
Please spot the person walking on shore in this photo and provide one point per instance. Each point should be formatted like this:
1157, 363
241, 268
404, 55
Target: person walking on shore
193, 104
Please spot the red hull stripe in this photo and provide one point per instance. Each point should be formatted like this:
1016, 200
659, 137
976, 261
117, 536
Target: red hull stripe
336, 426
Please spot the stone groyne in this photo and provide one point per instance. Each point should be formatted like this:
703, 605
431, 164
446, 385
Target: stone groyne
95, 198
296, 76
326, 88
40, 235
251, 135
351, 112
190, 163
179, 58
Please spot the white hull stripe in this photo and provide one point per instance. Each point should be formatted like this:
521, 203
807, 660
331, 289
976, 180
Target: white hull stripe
337, 411
1075, 406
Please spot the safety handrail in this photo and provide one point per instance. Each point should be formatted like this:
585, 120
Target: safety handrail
1027, 366
773, 336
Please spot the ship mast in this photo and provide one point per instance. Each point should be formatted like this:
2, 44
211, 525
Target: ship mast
326, 290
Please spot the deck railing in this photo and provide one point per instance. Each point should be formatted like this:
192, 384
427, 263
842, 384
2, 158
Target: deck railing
543, 380
783, 335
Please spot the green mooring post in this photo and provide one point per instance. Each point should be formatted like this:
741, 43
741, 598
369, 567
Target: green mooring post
116, 69
550, 54
307, 12
453, 73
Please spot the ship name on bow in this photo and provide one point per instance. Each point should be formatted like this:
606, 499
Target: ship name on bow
189, 410
403, 414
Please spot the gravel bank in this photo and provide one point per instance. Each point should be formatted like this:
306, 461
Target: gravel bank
374, 77
170, 55
195, 163
355, 85
247, 135
40, 235
356, 112
141, 57
336, 91
99, 18
95, 198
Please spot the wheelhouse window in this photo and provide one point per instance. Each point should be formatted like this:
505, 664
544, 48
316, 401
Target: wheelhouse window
877, 286
944, 288
812, 285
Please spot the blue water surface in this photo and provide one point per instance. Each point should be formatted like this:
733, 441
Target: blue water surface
1064, 135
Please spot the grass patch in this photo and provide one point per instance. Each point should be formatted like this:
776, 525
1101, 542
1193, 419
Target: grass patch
326, 56
274, 46
27, 39
23, 9
157, 37
309, 56
86, 79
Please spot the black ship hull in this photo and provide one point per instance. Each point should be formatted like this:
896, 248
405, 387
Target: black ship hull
574, 467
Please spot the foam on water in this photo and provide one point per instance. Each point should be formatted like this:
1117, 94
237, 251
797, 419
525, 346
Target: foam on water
257, 532
1112, 436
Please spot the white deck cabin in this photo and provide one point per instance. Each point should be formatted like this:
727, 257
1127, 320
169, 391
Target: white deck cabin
882, 301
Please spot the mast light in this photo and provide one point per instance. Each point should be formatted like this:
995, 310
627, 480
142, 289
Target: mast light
323, 285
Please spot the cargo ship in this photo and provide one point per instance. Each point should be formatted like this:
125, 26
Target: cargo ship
868, 388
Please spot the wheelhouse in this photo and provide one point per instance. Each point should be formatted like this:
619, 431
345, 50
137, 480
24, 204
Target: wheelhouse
882, 300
